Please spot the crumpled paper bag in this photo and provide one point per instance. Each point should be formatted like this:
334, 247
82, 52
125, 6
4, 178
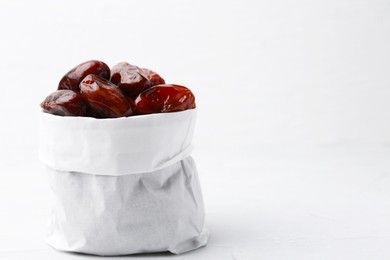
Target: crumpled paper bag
123, 186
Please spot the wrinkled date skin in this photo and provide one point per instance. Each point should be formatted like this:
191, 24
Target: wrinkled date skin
104, 98
65, 103
164, 98
153, 77
132, 80
72, 79
93, 89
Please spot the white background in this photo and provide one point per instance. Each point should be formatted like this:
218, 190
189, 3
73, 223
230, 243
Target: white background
292, 141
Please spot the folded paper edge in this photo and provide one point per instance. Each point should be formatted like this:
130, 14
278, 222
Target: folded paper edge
47, 154
177, 158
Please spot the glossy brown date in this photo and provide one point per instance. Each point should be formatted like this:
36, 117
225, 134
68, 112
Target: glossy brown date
65, 103
132, 80
72, 79
129, 79
104, 98
153, 77
164, 98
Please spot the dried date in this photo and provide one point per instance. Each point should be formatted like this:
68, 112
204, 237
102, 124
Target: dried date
72, 79
164, 98
104, 98
65, 103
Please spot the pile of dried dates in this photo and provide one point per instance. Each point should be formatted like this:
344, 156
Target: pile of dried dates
92, 89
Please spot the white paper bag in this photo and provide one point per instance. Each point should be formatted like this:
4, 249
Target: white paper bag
123, 186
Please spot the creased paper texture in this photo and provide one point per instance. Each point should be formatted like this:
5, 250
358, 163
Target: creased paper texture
116, 146
143, 197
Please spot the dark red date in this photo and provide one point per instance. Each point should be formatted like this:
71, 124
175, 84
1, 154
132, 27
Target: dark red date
164, 98
104, 98
65, 103
153, 77
132, 80
72, 79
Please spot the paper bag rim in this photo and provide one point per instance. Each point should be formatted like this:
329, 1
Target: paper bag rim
116, 146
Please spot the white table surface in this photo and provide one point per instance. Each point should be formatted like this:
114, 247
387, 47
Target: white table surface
275, 202
282, 72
